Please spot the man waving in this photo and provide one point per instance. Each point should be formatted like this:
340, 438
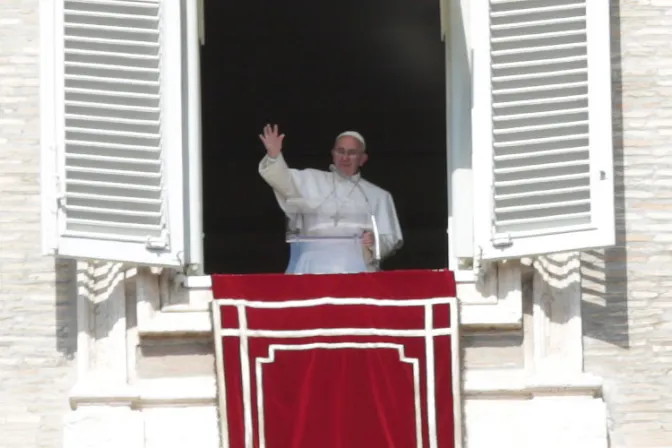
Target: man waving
335, 193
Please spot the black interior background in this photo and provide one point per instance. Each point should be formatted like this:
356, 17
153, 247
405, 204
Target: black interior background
317, 68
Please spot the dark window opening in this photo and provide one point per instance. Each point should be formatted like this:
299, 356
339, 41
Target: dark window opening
317, 69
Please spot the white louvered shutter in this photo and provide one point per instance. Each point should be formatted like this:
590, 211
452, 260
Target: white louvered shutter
118, 148
542, 137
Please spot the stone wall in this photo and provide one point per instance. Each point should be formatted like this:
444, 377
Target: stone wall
37, 312
627, 307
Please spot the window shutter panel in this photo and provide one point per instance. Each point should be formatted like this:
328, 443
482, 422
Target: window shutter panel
542, 136
119, 131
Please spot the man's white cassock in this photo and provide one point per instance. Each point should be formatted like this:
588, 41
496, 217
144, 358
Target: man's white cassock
327, 204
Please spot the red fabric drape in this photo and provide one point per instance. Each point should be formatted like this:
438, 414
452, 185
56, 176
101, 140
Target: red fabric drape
352, 389
415, 284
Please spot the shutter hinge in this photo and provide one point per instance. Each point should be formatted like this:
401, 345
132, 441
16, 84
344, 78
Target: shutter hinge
480, 266
160, 243
60, 193
60, 202
156, 243
502, 241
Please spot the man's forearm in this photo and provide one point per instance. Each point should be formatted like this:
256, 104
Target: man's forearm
276, 173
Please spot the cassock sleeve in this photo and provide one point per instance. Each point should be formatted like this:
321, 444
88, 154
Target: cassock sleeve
389, 230
284, 181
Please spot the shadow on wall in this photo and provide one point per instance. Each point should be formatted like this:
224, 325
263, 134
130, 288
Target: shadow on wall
604, 273
105, 285
66, 307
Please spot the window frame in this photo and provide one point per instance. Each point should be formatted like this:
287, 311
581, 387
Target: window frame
457, 17
459, 147
492, 302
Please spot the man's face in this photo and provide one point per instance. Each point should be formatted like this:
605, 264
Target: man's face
348, 155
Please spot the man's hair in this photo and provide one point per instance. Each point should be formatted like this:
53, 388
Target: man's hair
354, 134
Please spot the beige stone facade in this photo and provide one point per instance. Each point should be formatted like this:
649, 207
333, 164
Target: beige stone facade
626, 308
37, 308
627, 304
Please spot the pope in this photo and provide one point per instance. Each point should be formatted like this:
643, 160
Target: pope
336, 202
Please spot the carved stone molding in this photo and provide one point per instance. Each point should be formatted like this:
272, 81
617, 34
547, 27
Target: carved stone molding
553, 327
171, 304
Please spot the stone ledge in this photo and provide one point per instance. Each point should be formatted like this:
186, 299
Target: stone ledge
194, 391
514, 383
202, 390
178, 320
184, 322
192, 315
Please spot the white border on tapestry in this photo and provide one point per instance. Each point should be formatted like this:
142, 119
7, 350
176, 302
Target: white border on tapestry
428, 333
414, 362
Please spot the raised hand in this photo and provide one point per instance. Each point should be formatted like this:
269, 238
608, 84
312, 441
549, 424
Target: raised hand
271, 140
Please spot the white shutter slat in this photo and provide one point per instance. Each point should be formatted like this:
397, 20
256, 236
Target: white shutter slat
110, 146
546, 170
110, 108
83, 210
541, 126
516, 208
530, 169
121, 132
121, 187
540, 153
112, 159
532, 194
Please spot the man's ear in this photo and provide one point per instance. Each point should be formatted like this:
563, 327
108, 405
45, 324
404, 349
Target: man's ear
363, 159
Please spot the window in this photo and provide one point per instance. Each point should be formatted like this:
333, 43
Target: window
316, 69
530, 163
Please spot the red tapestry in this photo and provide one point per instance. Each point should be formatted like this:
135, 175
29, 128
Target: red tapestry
338, 361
